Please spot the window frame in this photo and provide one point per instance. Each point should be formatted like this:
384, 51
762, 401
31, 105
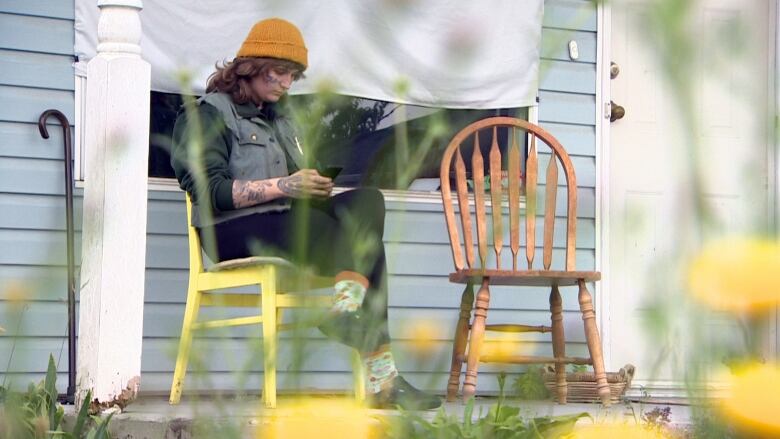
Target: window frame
171, 185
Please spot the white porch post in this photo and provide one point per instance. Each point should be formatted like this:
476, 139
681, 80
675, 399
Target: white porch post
114, 218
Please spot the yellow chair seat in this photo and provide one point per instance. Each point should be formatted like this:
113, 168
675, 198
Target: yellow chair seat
250, 262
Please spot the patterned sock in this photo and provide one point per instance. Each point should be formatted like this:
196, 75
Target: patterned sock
350, 291
380, 368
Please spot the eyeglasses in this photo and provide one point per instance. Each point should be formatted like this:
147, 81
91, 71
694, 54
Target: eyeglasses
281, 71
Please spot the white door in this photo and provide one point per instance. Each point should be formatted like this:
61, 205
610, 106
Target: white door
652, 215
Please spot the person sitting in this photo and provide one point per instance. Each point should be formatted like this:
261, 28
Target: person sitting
238, 157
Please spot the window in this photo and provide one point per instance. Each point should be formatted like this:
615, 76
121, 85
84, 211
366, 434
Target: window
377, 143
163, 110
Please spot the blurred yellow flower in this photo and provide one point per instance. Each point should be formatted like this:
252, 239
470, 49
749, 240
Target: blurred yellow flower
616, 431
737, 274
423, 335
504, 344
754, 399
15, 292
320, 418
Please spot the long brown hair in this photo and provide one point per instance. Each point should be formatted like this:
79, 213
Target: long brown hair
234, 77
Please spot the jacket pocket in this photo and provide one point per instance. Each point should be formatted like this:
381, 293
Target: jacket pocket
250, 158
289, 140
251, 135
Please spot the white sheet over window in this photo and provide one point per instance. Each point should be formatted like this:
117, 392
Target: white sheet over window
442, 53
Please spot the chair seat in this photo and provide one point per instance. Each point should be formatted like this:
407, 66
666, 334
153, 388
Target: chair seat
233, 264
536, 278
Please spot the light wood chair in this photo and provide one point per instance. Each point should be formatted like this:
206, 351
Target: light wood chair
487, 217
276, 279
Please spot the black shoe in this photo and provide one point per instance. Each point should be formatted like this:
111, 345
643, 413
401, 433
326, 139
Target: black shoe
404, 395
344, 327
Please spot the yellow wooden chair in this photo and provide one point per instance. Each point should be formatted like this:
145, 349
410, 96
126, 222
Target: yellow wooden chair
276, 278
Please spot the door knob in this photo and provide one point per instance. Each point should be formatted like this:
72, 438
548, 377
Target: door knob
616, 111
614, 70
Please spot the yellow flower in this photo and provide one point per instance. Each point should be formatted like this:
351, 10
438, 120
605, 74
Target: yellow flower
754, 400
737, 274
423, 336
16, 293
320, 417
616, 431
504, 344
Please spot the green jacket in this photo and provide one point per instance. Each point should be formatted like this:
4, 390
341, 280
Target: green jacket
239, 142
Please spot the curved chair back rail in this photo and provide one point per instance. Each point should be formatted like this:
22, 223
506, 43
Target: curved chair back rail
500, 168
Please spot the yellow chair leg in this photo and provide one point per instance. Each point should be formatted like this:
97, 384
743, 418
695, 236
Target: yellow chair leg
358, 377
185, 342
269, 336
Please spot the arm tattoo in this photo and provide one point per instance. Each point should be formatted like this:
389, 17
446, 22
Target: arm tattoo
291, 186
249, 193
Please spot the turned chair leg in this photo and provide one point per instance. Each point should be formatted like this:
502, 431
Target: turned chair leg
461, 337
594, 343
475, 340
559, 343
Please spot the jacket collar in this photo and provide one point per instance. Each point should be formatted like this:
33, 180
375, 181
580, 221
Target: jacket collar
248, 110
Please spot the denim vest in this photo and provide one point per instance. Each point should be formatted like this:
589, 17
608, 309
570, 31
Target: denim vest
257, 153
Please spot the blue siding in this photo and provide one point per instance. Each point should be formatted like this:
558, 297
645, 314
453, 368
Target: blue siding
36, 73
36, 34
41, 8
23, 104
36, 47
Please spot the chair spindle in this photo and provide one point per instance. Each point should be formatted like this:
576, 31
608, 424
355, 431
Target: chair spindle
478, 174
449, 214
514, 197
495, 198
549, 209
463, 204
531, 172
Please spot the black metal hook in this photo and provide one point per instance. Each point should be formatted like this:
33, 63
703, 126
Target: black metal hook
70, 396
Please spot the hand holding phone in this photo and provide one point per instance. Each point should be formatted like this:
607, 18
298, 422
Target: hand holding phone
330, 171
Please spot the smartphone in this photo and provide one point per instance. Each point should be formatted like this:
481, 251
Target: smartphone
330, 172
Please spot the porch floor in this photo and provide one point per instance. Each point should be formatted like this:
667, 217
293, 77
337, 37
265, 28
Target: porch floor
153, 417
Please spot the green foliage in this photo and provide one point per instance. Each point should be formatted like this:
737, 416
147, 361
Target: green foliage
207, 427
707, 425
36, 413
330, 122
345, 117
501, 422
530, 385
658, 418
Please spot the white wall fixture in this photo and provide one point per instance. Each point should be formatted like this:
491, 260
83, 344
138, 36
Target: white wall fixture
114, 218
574, 50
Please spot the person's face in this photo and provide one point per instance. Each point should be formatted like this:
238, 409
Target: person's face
271, 86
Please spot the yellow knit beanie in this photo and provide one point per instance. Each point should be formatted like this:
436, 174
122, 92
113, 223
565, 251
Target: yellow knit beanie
275, 38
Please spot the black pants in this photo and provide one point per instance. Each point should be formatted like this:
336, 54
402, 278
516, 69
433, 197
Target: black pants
340, 233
